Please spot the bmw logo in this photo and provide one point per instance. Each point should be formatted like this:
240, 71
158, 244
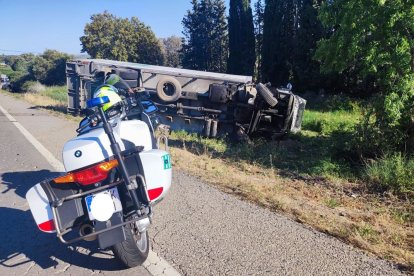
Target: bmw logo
78, 153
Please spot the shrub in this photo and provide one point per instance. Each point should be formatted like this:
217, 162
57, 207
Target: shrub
393, 173
33, 87
17, 79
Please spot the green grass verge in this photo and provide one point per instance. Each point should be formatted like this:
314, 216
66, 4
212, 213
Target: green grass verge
319, 150
58, 93
324, 148
393, 172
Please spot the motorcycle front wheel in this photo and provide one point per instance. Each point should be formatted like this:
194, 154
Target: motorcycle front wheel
133, 251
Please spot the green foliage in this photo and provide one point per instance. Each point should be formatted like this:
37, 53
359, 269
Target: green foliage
332, 203
326, 123
217, 145
242, 56
111, 37
6, 70
172, 47
367, 232
18, 78
17, 63
403, 215
321, 149
332, 103
49, 68
374, 39
205, 45
306, 71
33, 87
258, 21
291, 30
58, 93
393, 172
17, 70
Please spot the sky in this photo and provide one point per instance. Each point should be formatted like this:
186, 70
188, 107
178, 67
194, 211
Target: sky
36, 25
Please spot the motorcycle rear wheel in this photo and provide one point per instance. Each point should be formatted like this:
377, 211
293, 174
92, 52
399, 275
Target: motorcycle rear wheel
133, 251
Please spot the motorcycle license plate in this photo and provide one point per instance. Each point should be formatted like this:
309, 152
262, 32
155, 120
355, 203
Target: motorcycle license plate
113, 192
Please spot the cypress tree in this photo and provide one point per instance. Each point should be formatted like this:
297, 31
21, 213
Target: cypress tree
258, 21
307, 70
218, 37
291, 30
205, 44
242, 56
190, 40
276, 51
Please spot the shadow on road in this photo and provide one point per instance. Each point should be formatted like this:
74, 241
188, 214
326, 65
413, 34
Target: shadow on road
21, 242
58, 108
21, 182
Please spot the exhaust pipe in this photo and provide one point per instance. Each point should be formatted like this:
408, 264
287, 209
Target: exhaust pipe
87, 229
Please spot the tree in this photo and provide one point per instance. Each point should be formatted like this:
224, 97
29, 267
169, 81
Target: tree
111, 37
205, 43
310, 31
258, 21
172, 47
291, 30
278, 41
49, 68
242, 56
17, 63
377, 39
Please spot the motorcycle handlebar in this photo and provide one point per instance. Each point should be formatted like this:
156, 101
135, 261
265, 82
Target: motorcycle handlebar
95, 118
129, 101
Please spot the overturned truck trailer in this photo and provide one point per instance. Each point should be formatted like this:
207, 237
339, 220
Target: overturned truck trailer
211, 104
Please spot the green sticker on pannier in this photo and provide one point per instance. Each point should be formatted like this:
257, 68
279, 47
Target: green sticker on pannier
167, 161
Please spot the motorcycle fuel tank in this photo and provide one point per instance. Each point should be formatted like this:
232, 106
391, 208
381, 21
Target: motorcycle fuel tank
93, 146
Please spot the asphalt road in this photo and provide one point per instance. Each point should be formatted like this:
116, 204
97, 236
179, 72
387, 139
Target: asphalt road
197, 229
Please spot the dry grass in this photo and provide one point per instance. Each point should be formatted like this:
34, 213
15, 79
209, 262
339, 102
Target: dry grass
44, 101
381, 225
55, 106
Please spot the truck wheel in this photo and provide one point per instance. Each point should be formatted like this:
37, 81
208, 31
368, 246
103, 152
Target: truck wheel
168, 89
133, 251
266, 94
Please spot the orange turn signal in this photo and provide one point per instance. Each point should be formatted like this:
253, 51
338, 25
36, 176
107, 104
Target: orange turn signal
90, 175
67, 178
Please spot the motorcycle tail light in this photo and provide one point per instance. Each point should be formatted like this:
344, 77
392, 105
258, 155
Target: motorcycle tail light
90, 175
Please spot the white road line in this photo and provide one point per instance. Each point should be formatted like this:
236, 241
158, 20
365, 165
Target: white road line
56, 164
154, 264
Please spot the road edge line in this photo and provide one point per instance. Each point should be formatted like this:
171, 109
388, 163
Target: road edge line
51, 159
155, 264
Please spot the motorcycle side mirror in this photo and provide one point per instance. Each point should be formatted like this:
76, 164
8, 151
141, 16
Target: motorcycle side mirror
112, 79
97, 101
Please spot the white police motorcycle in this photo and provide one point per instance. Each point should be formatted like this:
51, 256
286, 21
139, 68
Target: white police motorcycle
115, 176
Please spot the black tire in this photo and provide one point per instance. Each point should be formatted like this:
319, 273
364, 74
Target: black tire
133, 251
266, 94
168, 89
